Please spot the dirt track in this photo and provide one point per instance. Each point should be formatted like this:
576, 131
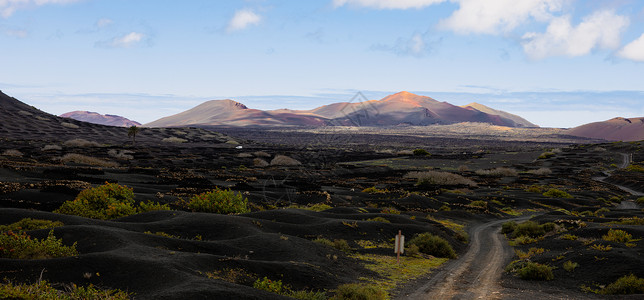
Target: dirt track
475, 275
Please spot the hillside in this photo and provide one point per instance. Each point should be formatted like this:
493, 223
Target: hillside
96, 118
616, 129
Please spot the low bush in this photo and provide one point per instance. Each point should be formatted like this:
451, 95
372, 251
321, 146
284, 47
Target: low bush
80, 143
555, 193
534, 189
479, 203
355, 291
546, 155
433, 245
535, 271
341, 245
508, 227
530, 229
629, 284
22, 246
42, 290
531, 252
273, 286
52, 148
69, 125
123, 154
498, 172
374, 190
283, 160
600, 247
219, 201
390, 211
174, 139
570, 266
28, 224
524, 240
540, 171
618, 236
429, 178
570, 237
12, 152
87, 160
421, 152
108, 201
640, 201
635, 168
379, 219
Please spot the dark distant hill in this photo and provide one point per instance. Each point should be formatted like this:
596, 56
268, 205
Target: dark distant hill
21, 121
616, 129
96, 118
403, 108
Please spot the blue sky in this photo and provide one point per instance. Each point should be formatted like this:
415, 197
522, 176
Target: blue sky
558, 63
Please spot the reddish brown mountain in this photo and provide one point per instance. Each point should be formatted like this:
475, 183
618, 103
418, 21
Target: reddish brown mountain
617, 129
96, 118
403, 108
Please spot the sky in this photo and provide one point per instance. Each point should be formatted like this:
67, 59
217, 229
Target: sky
557, 63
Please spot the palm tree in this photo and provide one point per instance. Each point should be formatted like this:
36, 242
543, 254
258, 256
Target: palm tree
131, 132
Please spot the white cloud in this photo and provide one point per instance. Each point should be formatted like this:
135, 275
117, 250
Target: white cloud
495, 16
242, 19
387, 4
418, 45
634, 50
8, 7
103, 22
126, 41
17, 33
602, 29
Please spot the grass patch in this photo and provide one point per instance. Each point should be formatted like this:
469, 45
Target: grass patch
459, 229
374, 190
600, 247
531, 252
393, 274
555, 193
528, 270
28, 224
22, 246
42, 290
569, 237
379, 219
354, 291
431, 178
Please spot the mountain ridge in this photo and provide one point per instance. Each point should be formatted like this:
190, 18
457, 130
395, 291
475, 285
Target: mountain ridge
97, 118
403, 108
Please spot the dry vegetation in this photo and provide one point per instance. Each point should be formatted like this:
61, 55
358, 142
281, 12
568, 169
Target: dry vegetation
83, 159
439, 178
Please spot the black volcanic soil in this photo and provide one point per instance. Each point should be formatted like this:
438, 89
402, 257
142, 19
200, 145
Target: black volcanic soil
277, 241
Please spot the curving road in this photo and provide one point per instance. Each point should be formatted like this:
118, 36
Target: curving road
476, 274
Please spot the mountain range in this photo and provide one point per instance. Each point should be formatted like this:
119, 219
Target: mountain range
96, 118
402, 108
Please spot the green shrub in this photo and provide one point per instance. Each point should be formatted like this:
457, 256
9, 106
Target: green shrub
534, 189
479, 203
152, 206
390, 210
307, 295
374, 190
273, 286
379, 219
22, 246
570, 266
107, 201
555, 193
28, 224
570, 237
635, 168
421, 152
618, 236
355, 291
219, 201
433, 245
341, 245
412, 251
529, 228
508, 227
42, 290
445, 208
629, 284
640, 201
535, 271
524, 240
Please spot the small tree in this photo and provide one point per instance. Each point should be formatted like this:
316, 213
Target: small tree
131, 132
